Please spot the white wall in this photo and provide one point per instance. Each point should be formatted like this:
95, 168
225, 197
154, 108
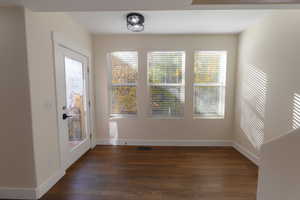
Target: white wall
144, 128
42, 85
16, 145
269, 57
279, 168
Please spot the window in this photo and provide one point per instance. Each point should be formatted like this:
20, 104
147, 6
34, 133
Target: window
124, 69
166, 83
209, 83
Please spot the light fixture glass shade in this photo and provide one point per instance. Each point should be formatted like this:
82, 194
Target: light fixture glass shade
133, 19
135, 28
135, 22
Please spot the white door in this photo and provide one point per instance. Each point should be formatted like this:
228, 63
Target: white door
71, 71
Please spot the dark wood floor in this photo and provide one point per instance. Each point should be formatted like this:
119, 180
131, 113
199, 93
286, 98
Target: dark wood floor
163, 173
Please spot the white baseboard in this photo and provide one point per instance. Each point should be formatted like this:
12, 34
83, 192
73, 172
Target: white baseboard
31, 193
49, 183
17, 193
246, 153
164, 142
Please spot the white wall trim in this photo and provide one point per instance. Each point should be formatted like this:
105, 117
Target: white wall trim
246, 153
31, 193
17, 193
61, 40
49, 183
164, 142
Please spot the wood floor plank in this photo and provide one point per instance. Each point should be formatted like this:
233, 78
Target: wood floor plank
163, 173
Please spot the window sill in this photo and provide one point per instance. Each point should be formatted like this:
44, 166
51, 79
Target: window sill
208, 117
112, 117
165, 118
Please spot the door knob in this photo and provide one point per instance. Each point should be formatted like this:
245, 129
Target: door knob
65, 116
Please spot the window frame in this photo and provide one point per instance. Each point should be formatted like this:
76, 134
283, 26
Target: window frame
220, 85
149, 108
111, 85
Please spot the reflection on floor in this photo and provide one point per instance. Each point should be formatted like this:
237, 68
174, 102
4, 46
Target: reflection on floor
163, 173
73, 144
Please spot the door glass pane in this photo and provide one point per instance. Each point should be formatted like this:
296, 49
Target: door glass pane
75, 107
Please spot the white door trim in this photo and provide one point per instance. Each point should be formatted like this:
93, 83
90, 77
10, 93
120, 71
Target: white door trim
59, 40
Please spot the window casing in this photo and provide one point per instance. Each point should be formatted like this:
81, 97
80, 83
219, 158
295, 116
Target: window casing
123, 83
166, 83
209, 83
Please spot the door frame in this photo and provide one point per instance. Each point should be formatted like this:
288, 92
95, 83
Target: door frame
60, 40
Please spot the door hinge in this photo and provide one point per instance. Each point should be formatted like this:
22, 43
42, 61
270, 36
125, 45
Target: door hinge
88, 70
90, 135
89, 103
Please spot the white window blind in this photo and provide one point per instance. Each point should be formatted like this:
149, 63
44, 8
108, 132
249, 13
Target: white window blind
209, 83
166, 83
124, 70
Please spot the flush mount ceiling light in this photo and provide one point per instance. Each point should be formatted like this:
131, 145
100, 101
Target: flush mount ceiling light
135, 22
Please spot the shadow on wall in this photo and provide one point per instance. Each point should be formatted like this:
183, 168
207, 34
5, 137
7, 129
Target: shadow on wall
296, 111
253, 102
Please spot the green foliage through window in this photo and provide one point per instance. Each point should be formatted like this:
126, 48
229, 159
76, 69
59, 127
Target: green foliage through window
123, 82
209, 82
166, 81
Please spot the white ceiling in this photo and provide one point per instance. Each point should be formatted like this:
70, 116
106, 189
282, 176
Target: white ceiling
114, 5
172, 22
